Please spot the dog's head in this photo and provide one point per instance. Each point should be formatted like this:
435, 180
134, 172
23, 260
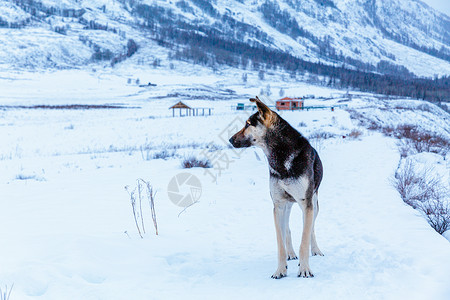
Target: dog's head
255, 128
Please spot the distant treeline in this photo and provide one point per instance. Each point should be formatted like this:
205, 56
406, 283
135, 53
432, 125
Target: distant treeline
210, 47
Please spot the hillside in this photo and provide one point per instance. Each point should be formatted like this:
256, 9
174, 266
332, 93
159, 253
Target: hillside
384, 36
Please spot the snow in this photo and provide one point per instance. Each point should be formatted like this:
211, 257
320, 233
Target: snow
11, 13
349, 27
67, 221
39, 48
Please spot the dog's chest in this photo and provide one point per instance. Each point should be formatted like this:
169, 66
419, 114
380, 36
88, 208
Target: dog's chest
295, 187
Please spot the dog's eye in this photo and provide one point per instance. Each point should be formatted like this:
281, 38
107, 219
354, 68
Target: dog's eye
247, 124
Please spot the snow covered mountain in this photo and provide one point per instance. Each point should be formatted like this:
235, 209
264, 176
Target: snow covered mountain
383, 36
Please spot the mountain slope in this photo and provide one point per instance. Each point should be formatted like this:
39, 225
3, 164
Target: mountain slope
395, 34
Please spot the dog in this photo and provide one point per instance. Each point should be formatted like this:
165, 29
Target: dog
295, 175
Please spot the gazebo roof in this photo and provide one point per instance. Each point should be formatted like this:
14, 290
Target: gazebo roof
179, 105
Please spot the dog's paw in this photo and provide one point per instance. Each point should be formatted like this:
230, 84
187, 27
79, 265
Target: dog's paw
280, 273
315, 252
305, 273
291, 256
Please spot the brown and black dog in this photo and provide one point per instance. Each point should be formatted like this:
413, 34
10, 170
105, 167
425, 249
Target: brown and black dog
295, 175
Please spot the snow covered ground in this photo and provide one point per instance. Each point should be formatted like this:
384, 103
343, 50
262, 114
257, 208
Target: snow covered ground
66, 220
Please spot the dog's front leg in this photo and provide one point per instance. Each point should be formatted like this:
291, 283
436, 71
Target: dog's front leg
279, 218
289, 249
308, 218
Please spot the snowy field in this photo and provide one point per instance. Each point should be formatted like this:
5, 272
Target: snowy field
67, 225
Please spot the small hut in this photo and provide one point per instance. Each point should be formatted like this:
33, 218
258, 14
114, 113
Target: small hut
288, 103
181, 106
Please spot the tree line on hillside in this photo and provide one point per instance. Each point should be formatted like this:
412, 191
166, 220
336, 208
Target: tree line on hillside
211, 47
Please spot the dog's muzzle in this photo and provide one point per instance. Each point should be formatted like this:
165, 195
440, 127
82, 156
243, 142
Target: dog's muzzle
238, 143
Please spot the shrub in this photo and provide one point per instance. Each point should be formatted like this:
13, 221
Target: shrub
424, 192
355, 133
437, 214
409, 184
406, 131
419, 140
193, 162
387, 130
403, 148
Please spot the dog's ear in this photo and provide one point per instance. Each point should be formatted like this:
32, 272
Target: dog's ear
264, 111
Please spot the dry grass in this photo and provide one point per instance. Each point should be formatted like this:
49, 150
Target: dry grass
66, 107
321, 135
317, 139
143, 191
194, 162
5, 294
163, 154
149, 151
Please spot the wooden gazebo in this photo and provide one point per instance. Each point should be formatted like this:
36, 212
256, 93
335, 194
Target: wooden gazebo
189, 110
180, 105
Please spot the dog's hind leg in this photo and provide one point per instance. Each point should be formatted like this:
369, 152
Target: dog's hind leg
314, 248
308, 219
289, 248
279, 218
